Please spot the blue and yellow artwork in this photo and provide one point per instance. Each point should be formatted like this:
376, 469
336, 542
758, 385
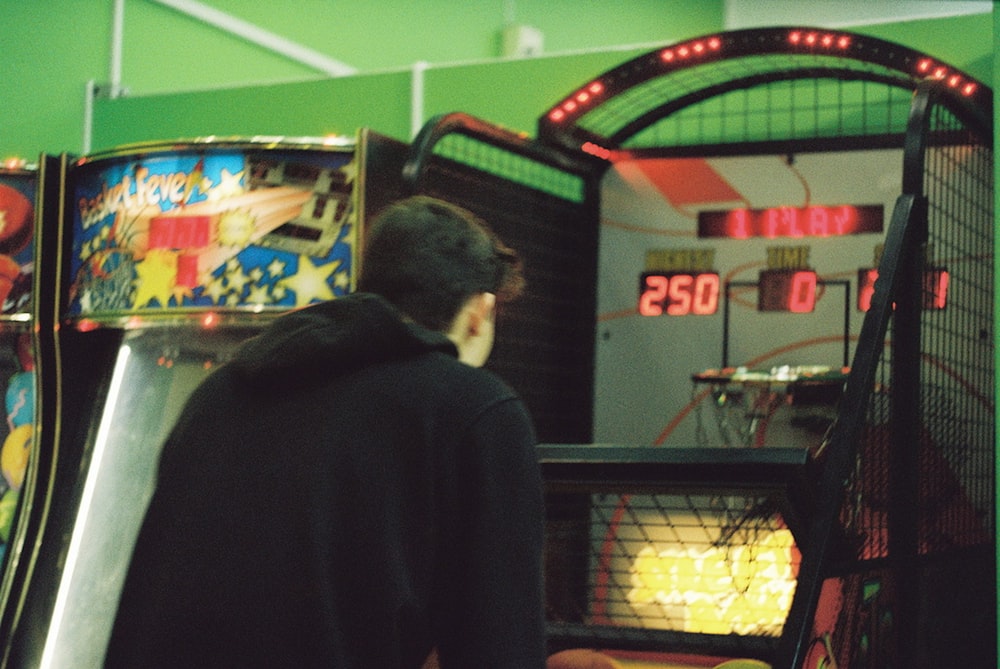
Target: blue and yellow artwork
212, 228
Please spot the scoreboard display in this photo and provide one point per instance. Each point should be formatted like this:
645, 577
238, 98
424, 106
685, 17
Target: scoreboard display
756, 262
678, 293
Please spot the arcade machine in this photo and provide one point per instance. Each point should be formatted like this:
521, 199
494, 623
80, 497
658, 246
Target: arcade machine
22, 200
791, 430
167, 256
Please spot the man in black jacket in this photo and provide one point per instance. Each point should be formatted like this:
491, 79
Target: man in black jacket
352, 491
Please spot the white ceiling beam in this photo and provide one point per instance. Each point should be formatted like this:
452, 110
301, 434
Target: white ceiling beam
260, 37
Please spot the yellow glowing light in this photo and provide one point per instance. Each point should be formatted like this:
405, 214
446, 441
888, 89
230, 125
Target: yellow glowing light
742, 589
235, 227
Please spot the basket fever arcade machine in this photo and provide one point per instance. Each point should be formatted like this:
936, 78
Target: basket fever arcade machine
169, 256
794, 290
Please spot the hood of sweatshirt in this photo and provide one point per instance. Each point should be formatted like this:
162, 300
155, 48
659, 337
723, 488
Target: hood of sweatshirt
310, 346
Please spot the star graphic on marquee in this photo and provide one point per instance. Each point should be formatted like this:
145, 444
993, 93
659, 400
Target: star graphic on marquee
276, 268
350, 171
215, 290
236, 278
310, 282
258, 295
229, 185
342, 280
256, 274
156, 277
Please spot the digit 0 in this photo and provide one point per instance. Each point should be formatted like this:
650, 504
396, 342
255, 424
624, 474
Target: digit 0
706, 294
802, 296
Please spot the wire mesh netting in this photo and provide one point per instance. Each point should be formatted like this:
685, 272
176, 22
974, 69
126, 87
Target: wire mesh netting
957, 400
706, 564
511, 167
776, 111
919, 505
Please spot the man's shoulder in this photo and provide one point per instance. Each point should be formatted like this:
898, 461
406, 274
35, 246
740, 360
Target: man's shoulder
446, 375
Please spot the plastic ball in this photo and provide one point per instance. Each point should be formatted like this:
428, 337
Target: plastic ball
14, 455
581, 658
740, 663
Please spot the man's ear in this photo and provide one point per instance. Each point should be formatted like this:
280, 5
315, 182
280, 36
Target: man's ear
481, 308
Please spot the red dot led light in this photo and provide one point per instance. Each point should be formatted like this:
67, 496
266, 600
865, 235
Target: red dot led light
576, 102
697, 48
933, 70
825, 40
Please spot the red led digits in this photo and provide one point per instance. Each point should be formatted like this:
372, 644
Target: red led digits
706, 294
654, 292
679, 293
791, 291
793, 222
802, 296
935, 288
866, 288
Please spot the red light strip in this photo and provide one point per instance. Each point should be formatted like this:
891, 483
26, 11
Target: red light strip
584, 97
596, 150
827, 40
697, 48
587, 96
932, 70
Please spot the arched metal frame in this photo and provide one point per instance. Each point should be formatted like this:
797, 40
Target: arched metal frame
600, 116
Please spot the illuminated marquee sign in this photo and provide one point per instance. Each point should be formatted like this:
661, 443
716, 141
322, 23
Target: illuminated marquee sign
775, 222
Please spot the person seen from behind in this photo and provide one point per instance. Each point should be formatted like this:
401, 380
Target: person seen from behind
352, 490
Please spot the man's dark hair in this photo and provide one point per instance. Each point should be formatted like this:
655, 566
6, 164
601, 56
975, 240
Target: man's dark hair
428, 257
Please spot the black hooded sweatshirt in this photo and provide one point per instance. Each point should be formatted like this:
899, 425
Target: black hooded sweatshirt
344, 493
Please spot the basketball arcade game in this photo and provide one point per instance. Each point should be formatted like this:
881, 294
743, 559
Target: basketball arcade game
800, 101
164, 258
767, 167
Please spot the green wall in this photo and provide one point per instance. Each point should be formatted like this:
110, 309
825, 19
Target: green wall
313, 108
492, 91
52, 48
187, 79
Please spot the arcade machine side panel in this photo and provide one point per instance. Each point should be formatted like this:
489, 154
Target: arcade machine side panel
172, 256
26, 192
